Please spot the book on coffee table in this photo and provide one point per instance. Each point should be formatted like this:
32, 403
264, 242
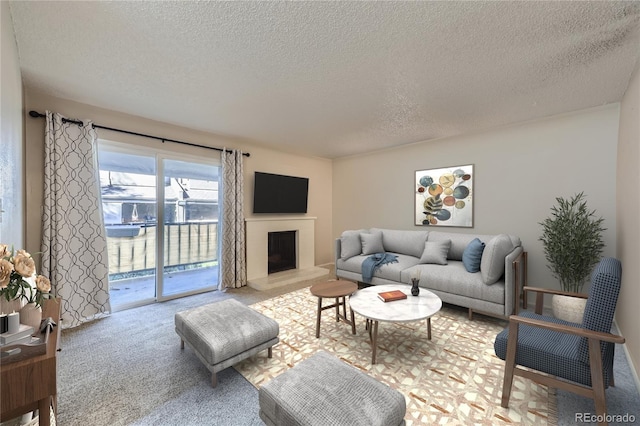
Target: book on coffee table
390, 296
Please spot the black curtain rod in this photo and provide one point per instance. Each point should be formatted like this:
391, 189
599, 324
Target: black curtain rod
36, 114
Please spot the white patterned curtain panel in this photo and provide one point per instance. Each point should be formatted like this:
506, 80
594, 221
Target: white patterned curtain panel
74, 243
233, 264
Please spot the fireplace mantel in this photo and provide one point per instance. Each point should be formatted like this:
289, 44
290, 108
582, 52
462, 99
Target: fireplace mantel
257, 230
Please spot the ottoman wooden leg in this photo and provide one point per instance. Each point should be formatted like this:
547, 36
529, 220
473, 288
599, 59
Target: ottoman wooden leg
270, 352
181, 344
214, 380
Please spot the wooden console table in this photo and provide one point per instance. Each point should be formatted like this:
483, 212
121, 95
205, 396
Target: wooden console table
30, 384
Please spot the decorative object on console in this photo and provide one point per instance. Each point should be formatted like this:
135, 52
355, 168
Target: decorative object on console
13, 322
4, 323
573, 244
22, 332
444, 197
18, 281
31, 315
18, 278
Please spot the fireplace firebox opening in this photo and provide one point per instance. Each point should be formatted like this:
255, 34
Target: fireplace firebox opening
281, 254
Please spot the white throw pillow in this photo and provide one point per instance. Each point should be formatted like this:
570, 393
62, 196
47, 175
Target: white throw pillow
372, 243
435, 252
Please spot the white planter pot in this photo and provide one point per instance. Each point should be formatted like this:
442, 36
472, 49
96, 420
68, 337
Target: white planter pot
30, 315
568, 308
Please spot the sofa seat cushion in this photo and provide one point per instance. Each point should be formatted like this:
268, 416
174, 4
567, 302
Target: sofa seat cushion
389, 271
454, 278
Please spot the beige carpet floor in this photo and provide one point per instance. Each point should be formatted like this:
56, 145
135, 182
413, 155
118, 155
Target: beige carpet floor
453, 379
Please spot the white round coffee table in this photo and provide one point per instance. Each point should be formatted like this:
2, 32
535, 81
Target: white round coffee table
365, 302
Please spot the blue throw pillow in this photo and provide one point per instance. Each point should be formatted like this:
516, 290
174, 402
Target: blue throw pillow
472, 255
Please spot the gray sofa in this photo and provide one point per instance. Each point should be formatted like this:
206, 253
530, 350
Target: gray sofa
438, 259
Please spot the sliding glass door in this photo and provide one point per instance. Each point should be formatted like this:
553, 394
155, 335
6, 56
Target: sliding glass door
190, 243
161, 216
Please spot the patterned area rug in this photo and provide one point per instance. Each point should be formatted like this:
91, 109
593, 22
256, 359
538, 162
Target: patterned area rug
454, 379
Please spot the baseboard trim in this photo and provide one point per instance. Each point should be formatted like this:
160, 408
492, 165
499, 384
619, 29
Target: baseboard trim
634, 373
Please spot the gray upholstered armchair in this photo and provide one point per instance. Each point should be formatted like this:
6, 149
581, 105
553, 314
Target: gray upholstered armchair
569, 356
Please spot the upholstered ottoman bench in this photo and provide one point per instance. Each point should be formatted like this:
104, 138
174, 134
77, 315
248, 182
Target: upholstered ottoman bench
322, 390
224, 333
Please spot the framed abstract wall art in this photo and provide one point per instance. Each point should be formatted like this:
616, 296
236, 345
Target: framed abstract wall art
444, 197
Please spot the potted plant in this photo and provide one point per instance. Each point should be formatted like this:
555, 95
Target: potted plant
572, 240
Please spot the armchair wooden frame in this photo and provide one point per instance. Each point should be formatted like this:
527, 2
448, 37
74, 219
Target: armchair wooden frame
540, 292
597, 389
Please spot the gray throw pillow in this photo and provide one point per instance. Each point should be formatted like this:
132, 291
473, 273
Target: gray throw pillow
350, 245
492, 265
372, 243
435, 252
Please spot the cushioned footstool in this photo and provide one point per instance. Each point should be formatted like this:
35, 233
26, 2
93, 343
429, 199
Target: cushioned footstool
224, 333
322, 390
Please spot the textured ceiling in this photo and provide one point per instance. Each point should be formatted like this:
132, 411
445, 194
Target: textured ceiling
330, 79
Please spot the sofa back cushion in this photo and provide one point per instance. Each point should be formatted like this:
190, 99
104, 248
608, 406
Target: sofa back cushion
492, 264
404, 242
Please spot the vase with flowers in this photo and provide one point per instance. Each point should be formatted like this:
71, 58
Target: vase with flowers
19, 283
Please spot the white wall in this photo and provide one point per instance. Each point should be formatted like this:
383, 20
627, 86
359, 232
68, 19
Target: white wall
317, 170
11, 153
628, 232
519, 171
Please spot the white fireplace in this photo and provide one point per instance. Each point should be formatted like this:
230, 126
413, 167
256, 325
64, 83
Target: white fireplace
257, 232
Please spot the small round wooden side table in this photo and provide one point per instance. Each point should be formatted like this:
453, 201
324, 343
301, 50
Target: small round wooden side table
338, 290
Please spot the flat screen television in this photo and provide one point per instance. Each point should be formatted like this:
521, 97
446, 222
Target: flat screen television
279, 194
